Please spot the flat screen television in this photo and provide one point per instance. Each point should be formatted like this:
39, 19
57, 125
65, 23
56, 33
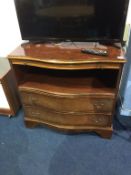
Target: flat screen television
75, 20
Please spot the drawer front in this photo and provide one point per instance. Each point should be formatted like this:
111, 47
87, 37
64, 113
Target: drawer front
68, 103
67, 119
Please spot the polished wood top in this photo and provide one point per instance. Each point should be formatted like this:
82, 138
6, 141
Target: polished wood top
54, 55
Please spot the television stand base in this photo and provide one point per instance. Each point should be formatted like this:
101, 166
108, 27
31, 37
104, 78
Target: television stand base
101, 131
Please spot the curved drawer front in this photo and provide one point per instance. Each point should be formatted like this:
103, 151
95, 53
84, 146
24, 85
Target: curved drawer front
79, 103
67, 119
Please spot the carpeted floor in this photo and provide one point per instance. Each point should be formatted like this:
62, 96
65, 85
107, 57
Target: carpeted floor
41, 151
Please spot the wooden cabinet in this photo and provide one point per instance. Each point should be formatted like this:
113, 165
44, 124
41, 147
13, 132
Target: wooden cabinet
67, 90
9, 98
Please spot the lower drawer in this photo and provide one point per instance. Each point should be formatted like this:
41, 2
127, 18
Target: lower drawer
67, 119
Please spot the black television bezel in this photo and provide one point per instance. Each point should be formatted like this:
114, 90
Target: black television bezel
59, 39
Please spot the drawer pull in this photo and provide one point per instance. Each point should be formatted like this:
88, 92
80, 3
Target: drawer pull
35, 114
101, 120
33, 100
99, 106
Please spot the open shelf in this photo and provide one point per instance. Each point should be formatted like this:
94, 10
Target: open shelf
68, 82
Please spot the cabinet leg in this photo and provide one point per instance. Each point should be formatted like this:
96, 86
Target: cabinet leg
105, 134
30, 124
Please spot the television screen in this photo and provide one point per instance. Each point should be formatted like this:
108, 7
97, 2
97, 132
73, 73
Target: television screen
81, 20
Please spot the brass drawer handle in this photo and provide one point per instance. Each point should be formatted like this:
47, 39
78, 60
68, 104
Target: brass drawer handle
35, 114
99, 106
101, 120
32, 100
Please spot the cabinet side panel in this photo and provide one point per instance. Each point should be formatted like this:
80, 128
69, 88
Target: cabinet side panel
11, 91
3, 100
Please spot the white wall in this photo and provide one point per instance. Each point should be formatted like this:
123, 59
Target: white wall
9, 31
129, 14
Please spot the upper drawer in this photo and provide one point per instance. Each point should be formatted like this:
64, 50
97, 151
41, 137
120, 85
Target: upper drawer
68, 103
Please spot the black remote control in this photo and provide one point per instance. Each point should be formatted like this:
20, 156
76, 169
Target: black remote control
95, 52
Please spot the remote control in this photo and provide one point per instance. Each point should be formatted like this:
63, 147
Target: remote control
95, 52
